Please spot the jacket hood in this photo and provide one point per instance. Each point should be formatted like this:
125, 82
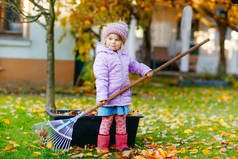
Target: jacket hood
101, 48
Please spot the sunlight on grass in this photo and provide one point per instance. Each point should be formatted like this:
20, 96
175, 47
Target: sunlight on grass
193, 122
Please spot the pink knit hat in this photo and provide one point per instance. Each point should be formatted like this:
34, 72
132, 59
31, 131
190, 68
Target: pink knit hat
120, 28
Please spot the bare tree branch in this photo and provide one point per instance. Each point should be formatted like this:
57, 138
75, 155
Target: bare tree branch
233, 28
94, 33
38, 6
204, 19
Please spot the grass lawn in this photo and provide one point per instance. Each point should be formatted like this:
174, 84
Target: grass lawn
189, 122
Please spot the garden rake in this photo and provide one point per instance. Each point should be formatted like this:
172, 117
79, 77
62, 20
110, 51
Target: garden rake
57, 134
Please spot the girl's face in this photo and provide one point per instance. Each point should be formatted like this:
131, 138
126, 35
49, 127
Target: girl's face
113, 41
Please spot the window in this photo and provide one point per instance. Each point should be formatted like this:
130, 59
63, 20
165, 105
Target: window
9, 21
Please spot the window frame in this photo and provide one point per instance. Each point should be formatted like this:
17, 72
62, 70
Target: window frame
4, 32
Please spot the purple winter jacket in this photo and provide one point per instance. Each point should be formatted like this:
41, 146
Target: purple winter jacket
111, 70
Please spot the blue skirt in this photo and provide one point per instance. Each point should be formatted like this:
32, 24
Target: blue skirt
119, 110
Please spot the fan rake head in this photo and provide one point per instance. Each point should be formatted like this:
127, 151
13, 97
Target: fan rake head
56, 134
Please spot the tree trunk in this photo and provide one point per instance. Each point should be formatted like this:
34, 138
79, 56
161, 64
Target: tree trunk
50, 83
222, 60
146, 47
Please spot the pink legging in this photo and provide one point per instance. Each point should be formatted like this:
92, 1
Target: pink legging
107, 122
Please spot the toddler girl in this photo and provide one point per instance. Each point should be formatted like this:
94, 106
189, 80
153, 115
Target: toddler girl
111, 69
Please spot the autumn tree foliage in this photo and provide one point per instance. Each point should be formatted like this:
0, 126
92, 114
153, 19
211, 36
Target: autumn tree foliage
218, 14
87, 18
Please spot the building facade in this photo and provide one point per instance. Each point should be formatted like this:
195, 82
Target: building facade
23, 48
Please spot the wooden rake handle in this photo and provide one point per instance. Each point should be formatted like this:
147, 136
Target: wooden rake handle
145, 77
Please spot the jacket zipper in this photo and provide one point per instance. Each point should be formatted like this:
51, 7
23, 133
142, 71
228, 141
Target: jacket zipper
122, 72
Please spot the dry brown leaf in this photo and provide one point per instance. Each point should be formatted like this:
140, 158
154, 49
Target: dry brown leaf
77, 155
42, 133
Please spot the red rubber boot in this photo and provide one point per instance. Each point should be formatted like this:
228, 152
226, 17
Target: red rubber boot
121, 142
103, 142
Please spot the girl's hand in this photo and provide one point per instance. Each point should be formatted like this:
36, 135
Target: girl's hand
149, 74
103, 102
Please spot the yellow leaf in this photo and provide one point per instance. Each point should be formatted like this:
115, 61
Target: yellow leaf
88, 154
13, 150
139, 157
16, 145
37, 153
206, 152
194, 150
26, 133
150, 138
6, 121
162, 153
54, 154
49, 145
188, 131
33, 146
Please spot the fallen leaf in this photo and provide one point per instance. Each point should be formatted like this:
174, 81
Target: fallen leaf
77, 155
188, 131
100, 151
162, 152
89, 154
33, 146
206, 152
49, 145
13, 150
8, 147
6, 121
36, 141
193, 151
37, 154
126, 154
54, 154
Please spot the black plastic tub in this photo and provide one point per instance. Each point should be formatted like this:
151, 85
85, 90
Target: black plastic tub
86, 129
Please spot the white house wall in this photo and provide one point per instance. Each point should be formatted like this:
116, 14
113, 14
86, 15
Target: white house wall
36, 45
164, 28
24, 60
208, 58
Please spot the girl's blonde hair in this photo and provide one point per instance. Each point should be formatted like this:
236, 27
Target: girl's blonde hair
118, 36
